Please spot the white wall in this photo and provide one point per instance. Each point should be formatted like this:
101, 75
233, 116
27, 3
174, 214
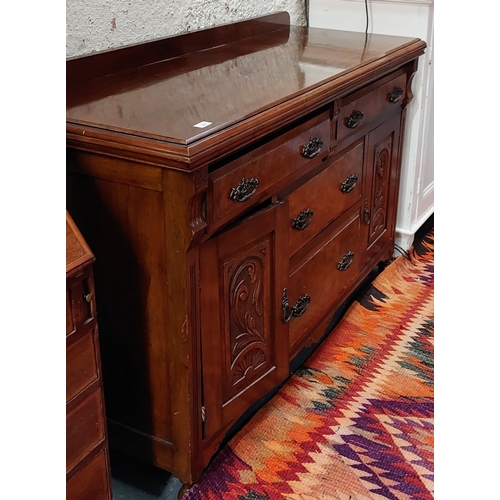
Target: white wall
95, 25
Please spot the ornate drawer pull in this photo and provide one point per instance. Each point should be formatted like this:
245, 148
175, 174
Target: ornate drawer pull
395, 94
348, 185
312, 148
303, 219
354, 119
245, 189
298, 309
346, 261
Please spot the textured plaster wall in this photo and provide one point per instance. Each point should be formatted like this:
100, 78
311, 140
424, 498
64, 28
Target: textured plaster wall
95, 25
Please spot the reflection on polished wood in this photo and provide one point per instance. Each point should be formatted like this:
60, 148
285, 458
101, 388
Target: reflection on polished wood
164, 99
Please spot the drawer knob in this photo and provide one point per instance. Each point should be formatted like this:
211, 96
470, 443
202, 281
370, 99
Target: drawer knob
298, 309
354, 119
312, 148
395, 94
303, 219
348, 185
88, 297
244, 190
346, 261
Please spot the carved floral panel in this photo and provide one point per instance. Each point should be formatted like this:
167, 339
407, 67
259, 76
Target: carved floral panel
247, 288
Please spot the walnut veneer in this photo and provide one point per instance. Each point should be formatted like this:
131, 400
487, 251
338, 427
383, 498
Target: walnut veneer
87, 460
236, 184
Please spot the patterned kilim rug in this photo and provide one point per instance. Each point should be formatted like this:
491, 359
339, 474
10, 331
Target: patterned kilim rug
357, 420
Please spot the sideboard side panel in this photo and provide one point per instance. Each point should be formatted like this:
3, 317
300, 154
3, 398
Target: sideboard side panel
123, 223
183, 224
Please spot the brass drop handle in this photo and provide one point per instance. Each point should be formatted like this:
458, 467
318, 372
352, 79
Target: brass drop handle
88, 297
298, 309
244, 190
395, 94
346, 261
354, 119
303, 219
348, 185
312, 148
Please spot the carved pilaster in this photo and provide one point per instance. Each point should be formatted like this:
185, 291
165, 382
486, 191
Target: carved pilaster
198, 223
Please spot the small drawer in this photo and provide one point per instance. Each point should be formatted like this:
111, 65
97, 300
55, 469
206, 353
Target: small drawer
84, 429
318, 202
79, 303
324, 275
362, 107
81, 364
250, 178
92, 482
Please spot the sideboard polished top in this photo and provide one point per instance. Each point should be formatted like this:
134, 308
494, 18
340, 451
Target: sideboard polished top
178, 91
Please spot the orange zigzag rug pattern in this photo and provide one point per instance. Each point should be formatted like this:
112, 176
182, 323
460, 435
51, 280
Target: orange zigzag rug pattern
357, 420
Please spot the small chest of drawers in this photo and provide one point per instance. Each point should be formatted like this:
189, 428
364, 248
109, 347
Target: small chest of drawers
87, 461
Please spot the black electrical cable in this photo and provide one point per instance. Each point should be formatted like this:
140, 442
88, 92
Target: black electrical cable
366, 31
367, 18
403, 252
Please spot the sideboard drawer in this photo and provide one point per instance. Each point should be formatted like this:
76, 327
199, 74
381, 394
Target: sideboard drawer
322, 199
248, 179
84, 429
81, 364
91, 482
362, 107
324, 275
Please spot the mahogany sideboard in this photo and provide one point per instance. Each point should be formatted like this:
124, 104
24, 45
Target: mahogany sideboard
87, 459
236, 184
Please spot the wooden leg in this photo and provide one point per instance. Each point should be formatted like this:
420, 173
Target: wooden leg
184, 489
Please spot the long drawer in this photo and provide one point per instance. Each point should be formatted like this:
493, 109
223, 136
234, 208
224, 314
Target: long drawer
324, 274
315, 204
243, 182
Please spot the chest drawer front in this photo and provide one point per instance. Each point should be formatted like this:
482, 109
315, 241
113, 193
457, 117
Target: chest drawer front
84, 429
249, 179
322, 199
359, 111
81, 365
324, 275
79, 303
90, 483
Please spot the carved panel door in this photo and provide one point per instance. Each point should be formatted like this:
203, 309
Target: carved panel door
382, 180
244, 337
